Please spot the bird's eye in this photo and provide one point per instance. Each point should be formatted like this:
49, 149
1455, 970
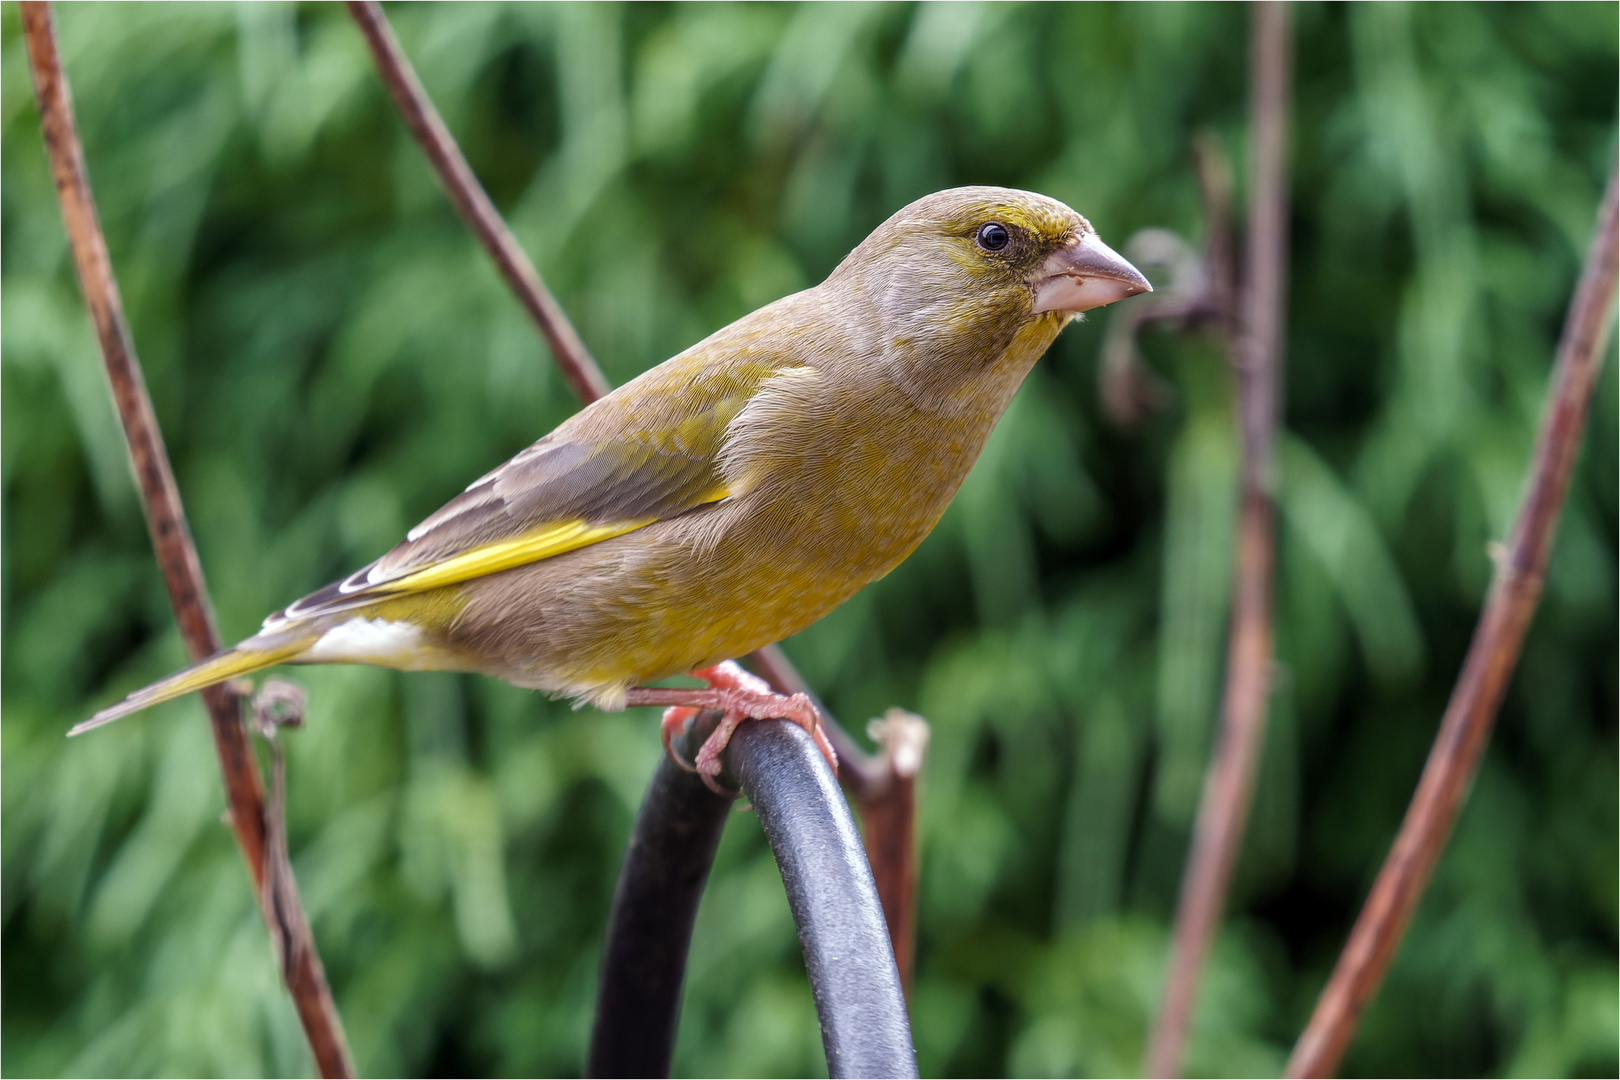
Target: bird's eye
993, 236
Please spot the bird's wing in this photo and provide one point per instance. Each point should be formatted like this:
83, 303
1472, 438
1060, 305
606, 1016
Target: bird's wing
647, 452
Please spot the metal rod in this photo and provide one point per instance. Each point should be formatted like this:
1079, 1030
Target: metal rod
864, 1027
672, 846
830, 890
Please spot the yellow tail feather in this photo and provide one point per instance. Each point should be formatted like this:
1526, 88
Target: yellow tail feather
215, 669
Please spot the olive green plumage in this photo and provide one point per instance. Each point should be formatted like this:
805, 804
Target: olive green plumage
734, 494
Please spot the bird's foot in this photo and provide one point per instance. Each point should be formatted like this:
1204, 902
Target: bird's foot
737, 696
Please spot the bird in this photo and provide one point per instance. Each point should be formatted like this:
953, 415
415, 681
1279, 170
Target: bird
728, 497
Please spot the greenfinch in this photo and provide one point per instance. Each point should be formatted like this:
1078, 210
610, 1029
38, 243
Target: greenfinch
730, 496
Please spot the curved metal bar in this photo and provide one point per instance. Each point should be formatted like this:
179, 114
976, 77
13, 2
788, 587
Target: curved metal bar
864, 1027
638, 1002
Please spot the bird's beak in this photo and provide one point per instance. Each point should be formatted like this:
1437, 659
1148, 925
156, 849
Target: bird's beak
1083, 275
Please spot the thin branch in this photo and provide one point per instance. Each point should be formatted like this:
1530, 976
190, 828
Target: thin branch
1492, 655
1214, 172
1127, 387
1229, 784
474, 205
165, 518
1196, 296
890, 819
278, 704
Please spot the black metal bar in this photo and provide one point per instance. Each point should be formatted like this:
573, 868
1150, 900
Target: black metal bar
847, 954
864, 1027
638, 1002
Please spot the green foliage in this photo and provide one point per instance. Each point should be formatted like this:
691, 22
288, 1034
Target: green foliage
332, 357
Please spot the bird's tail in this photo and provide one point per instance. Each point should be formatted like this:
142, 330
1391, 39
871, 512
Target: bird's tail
241, 660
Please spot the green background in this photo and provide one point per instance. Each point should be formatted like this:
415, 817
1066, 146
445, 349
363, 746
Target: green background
332, 357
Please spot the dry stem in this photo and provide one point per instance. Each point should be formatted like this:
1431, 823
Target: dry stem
171, 536
474, 205
1196, 295
1229, 784
1466, 726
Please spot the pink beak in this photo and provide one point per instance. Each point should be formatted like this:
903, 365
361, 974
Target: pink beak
1083, 275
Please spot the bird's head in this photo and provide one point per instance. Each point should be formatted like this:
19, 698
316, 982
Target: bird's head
955, 277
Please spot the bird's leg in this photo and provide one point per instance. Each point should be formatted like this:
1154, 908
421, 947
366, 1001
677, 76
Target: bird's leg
737, 696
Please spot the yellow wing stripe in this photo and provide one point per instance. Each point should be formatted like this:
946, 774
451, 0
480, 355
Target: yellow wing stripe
542, 543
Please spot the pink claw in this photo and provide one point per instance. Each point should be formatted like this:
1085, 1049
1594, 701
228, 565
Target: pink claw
737, 696
673, 724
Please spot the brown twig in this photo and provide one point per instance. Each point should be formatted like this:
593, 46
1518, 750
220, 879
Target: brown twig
1196, 296
1466, 726
1229, 784
279, 704
474, 205
165, 518
1127, 387
1214, 172
890, 818
858, 771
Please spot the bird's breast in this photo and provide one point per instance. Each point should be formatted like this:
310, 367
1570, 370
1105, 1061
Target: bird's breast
860, 487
